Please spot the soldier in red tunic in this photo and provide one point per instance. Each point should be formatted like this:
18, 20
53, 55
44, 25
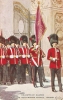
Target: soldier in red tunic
3, 61
25, 58
18, 66
7, 47
13, 55
36, 61
55, 61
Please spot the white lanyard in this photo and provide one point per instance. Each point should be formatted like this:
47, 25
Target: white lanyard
23, 50
25, 54
11, 51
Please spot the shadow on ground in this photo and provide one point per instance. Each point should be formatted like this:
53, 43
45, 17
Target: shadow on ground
7, 95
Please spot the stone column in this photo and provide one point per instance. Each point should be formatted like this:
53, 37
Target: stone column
6, 20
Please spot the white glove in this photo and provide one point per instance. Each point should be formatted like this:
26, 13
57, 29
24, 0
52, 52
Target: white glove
11, 56
16, 56
54, 59
23, 56
3, 56
28, 56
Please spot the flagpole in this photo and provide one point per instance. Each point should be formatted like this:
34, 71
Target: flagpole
38, 3
39, 42
38, 6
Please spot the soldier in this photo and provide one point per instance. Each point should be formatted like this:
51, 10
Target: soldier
36, 61
18, 66
55, 61
25, 58
13, 54
3, 61
7, 47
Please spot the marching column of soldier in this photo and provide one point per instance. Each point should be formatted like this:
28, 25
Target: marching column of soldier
15, 60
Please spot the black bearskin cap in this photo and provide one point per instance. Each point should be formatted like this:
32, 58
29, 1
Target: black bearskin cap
2, 40
33, 39
12, 39
53, 38
24, 39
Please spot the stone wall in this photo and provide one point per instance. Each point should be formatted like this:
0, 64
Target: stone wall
6, 19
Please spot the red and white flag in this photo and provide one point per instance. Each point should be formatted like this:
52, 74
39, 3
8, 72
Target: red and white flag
39, 26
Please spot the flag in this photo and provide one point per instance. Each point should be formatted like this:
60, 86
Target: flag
39, 26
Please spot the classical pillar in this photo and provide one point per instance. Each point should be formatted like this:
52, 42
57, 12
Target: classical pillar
6, 18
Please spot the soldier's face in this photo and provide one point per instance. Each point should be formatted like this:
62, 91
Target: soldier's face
54, 45
8, 46
17, 45
3, 45
12, 45
34, 44
24, 44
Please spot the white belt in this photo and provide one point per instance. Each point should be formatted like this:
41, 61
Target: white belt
24, 56
28, 56
16, 56
12, 56
2, 56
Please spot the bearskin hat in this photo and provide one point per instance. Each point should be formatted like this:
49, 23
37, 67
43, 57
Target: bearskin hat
12, 39
2, 40
24, 39
53, 38
33, 39
17, 41
7, 42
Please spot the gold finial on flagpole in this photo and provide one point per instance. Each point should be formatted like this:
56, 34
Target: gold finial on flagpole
38, 2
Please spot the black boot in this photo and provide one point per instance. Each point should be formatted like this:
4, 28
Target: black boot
35, 85
41, 85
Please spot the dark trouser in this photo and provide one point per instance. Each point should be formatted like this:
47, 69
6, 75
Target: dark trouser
12, 72
8, 68
3, 73
40, 75
34, 74
43, 74
23, 68
29, 72
58, 73
18, 73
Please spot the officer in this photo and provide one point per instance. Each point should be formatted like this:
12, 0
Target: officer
36, 61
25, 58
55, 61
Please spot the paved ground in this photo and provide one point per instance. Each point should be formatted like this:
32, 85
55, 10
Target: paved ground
28, 92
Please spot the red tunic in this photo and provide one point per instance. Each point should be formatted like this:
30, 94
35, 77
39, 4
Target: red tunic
25, 56
3, 60
13, 55
54, 53
8, 54
36, 57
